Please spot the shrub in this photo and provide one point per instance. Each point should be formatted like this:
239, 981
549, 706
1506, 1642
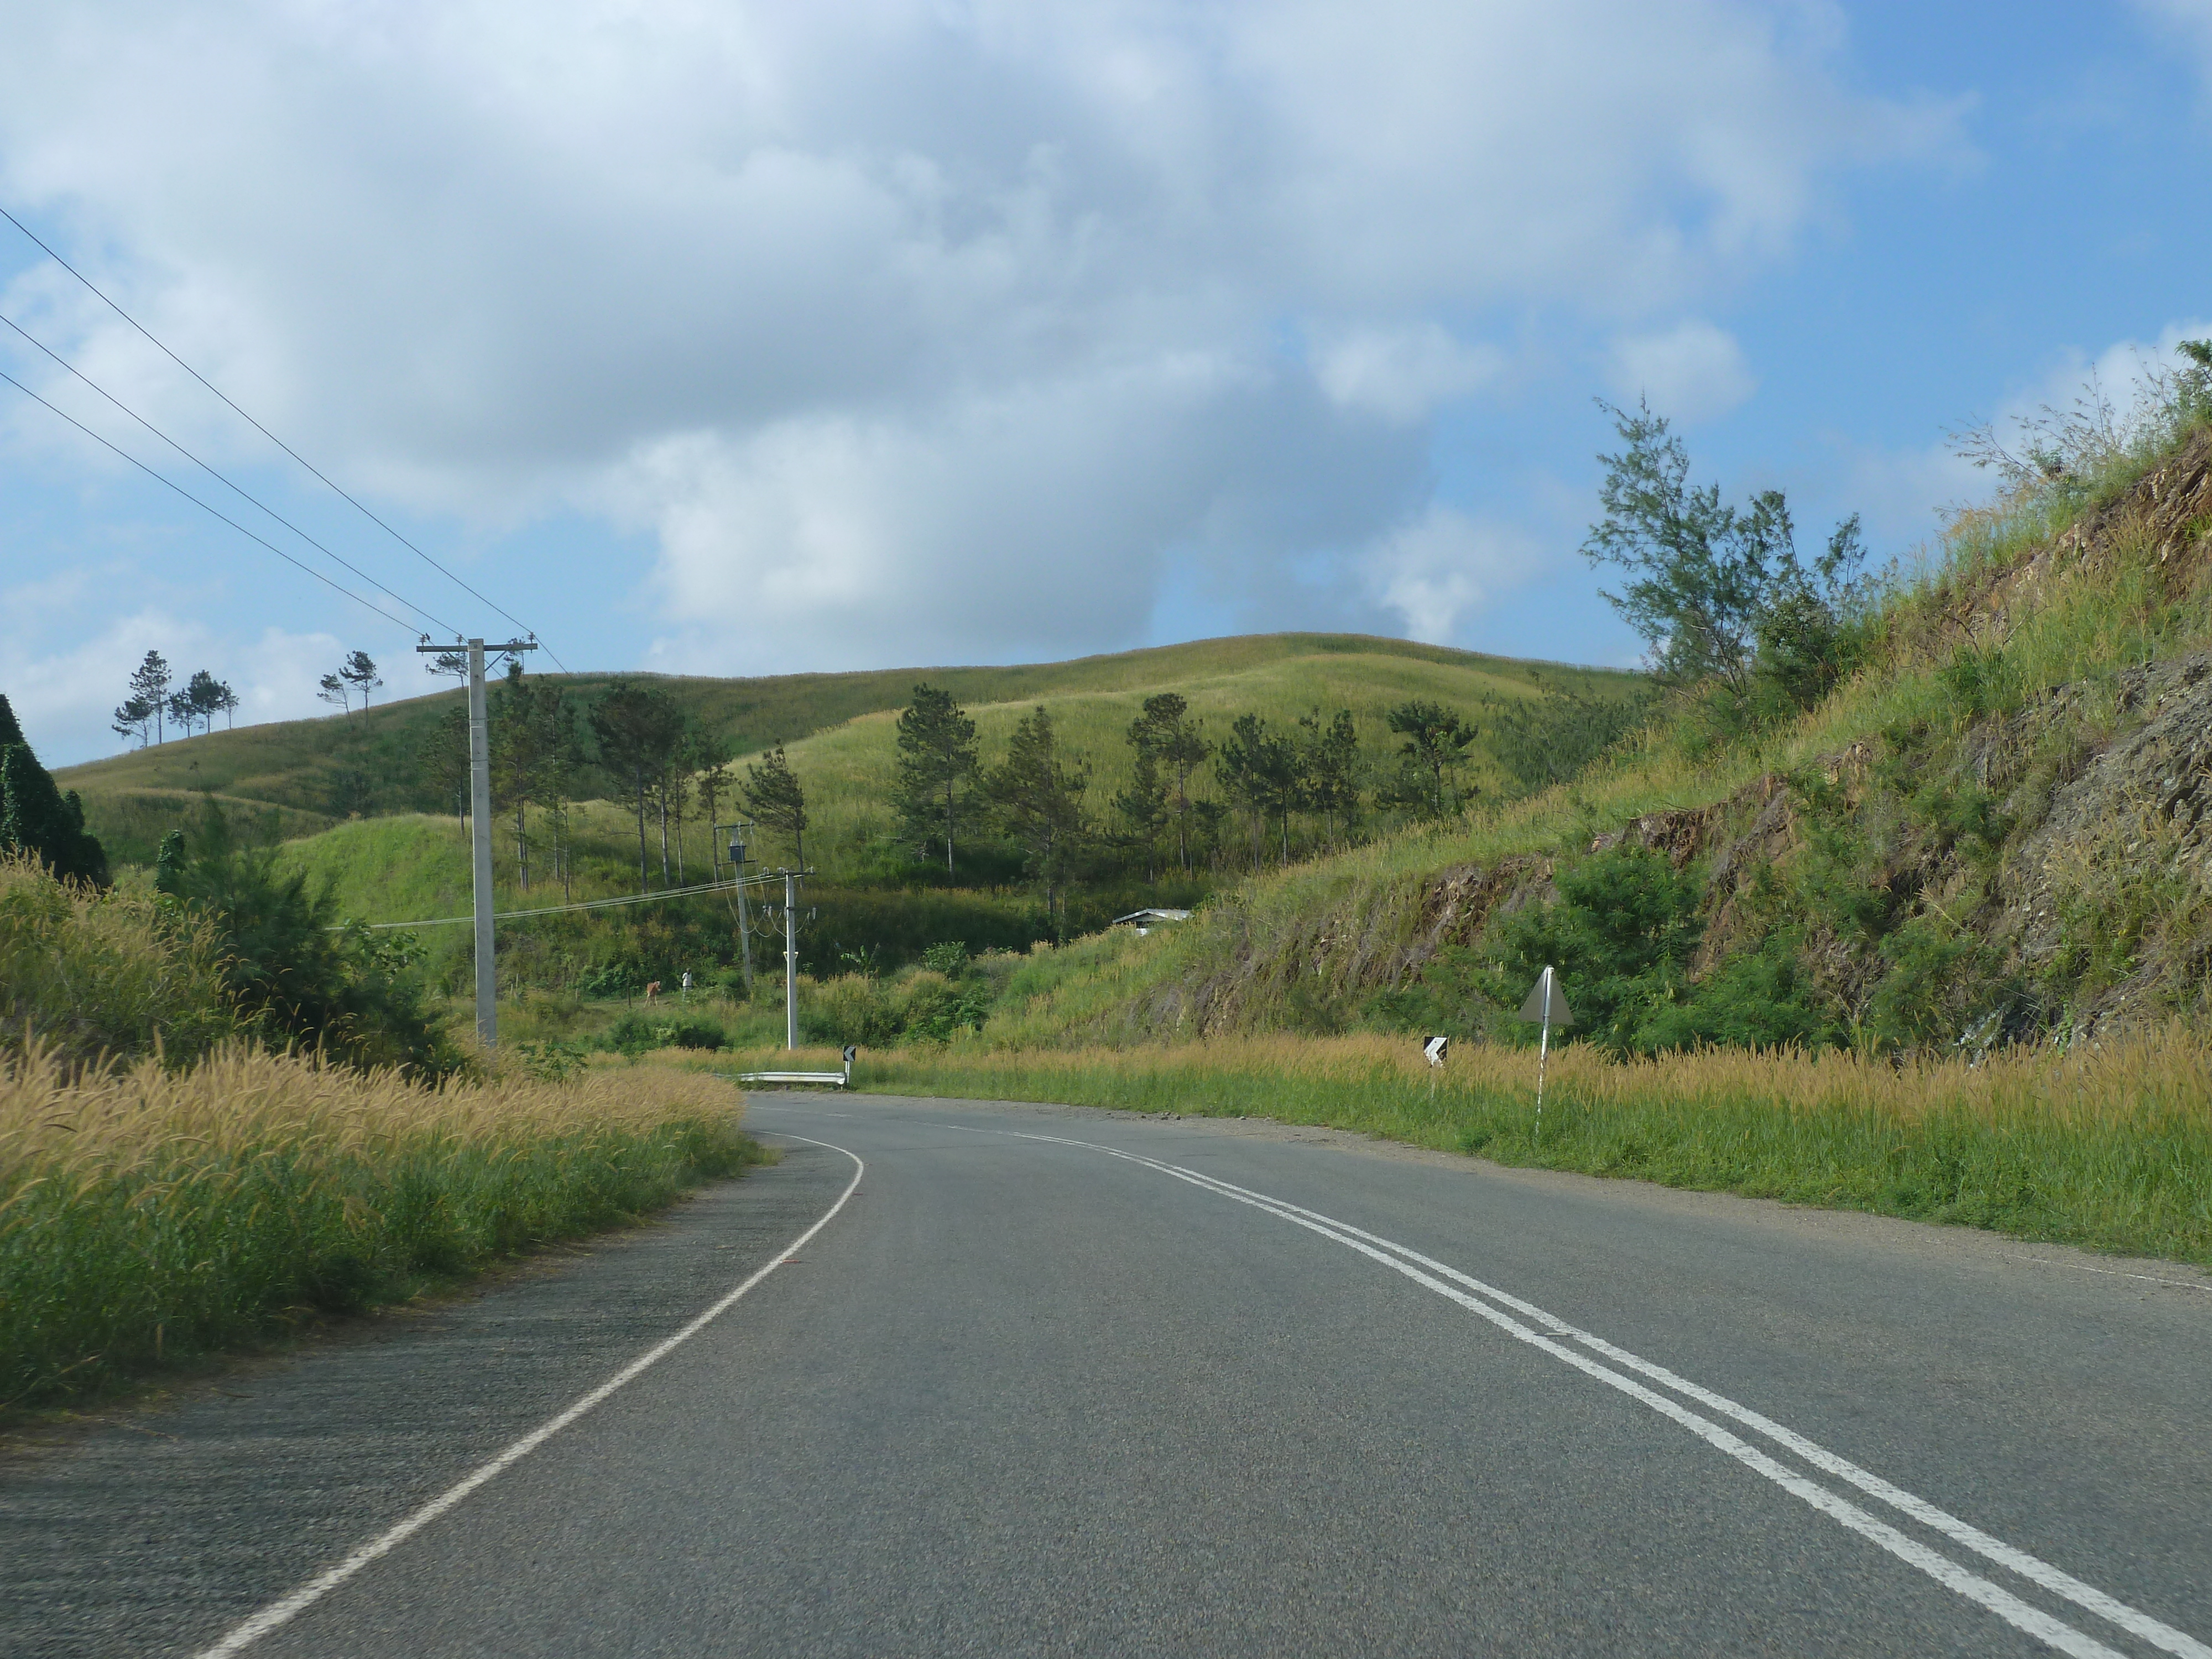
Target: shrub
609, 980
1542, 741
291, 973
1761, 999
88, 975
949, 958
640, 1033
854, 1008
1940, 978
1624, 925
935, 1008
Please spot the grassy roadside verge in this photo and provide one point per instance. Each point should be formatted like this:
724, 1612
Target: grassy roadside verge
2110, 1149
149, 1216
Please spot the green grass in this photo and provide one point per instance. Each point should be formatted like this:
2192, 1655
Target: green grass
147, 1218
324, 770
2111, 1151
406, 866
1310, 947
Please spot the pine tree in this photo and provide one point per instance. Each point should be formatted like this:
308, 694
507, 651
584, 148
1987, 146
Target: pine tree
149, 685
773, 795
638, 729
525, 741
36, 817
1329, 759
710, 759
359, 672
134, 718
441, 760
1143, 804
936, 756
1262, 771
1037, 799
1435, 749
1177, 743
198, 703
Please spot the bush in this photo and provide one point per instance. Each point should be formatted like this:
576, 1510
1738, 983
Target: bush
640, 1033
291, 973
949, 958
936, 1008
88, 975
1551, 739
854, 1008
609, 980
1761, 998
1623, 927
1941, 978
1806, 650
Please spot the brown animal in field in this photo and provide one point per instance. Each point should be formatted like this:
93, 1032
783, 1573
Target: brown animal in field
652, 990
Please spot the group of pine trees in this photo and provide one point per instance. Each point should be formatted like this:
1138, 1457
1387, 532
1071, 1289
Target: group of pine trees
155, 700
631, 744
357, 676
1270, 775
150, 705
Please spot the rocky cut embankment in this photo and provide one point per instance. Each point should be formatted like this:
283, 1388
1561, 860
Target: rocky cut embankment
2055, 838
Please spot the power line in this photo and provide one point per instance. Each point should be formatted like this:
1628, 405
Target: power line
582, 904
202, 505
219, 478
265, 432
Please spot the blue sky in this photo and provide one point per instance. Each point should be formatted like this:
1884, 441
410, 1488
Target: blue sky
760, 339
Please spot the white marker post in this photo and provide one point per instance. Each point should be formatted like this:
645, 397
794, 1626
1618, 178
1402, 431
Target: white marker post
1545, 1003
1433, 1051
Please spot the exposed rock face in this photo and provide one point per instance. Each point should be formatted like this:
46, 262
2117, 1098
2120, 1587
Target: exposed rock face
2105, 793
2119, 855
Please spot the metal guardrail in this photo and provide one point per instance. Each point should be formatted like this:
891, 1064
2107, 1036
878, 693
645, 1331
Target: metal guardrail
820, 1079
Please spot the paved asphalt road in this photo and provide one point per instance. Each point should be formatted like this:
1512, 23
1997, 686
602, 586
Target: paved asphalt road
1065, 1382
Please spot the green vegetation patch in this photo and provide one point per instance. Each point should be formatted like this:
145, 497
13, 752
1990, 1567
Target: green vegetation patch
2111, 1150
151, 1215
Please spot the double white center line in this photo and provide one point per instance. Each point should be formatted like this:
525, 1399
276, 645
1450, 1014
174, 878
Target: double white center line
1552, 1335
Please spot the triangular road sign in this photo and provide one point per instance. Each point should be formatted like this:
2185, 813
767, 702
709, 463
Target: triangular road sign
1548, 989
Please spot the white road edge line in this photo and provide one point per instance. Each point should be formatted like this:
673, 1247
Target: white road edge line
2020, 1614
287, 1608
2108, 1272
2027, 1566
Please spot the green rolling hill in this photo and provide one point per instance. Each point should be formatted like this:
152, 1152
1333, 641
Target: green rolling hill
301, 778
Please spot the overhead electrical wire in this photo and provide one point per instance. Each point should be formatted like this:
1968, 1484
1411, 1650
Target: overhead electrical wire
580, 904
203, 507
272, 437
229, 484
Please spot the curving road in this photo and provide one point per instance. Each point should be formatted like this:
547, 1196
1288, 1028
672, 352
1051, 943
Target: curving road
1067, 1382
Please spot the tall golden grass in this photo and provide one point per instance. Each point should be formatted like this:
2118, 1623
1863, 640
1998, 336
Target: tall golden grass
147, 1214
2109, 1146
103, 972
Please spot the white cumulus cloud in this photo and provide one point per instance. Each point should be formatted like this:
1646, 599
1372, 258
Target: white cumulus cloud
1690, 372
904, 330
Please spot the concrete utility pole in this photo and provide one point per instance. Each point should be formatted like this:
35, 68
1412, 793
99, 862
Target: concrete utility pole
480, 818
739, 859
789, 920
790, 960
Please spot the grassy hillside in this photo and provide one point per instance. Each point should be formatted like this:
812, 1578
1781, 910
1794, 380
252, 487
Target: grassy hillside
1997, 828
848, 769
363, 765
408, 866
